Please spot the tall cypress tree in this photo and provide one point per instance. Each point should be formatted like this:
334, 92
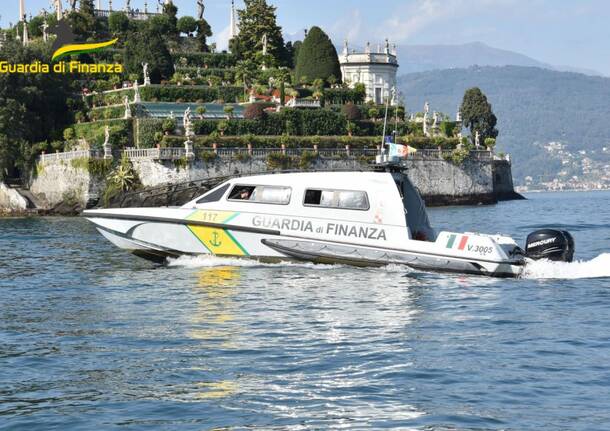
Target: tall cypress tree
477, 114
256, 20
317, 58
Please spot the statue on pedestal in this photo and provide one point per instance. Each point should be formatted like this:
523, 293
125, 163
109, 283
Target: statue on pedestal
127, 108
477, 139
425, 124
45, 27
145, 72
107, 146
136, 96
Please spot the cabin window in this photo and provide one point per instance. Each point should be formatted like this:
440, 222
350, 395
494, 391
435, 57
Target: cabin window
275, 195
214, 195
343, 199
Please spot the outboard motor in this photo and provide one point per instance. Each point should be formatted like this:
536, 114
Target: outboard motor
557, 245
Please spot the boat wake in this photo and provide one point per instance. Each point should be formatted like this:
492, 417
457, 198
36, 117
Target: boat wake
545, 269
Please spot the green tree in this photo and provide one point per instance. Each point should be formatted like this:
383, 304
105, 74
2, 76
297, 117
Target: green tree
118, 23
171, 12
187, 25
203, 32
255, 21
148, 47
317, 57
161, 25
244, 72
33, 108
477, 114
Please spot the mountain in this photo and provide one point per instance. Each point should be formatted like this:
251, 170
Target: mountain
533, 105
420, 58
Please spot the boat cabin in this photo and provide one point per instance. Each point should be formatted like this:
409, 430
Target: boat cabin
363, 197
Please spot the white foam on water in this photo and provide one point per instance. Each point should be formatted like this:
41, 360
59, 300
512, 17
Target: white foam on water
209, 261
546, 269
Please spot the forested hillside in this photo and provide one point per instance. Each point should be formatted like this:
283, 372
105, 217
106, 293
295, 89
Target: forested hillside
532, 105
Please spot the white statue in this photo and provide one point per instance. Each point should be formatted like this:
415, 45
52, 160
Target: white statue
425, 123
45, 27
136, 89
187, 122
127, 6
127, 108
200, 9
145, 73
367, 49
477, 139
345, 48
265, 42
107, 146
435, 120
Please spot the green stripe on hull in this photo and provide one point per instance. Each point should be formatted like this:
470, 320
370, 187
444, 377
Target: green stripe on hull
451, 241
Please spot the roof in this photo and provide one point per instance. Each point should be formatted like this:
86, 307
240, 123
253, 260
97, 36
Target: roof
349, 180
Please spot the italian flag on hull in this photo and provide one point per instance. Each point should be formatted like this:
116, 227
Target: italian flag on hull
457, 240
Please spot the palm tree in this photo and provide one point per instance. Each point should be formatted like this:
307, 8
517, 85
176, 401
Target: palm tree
243, 72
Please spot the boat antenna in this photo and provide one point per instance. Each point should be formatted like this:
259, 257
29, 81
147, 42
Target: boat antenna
385, 122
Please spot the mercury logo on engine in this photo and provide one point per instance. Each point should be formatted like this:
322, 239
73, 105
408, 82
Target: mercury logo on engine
542, 242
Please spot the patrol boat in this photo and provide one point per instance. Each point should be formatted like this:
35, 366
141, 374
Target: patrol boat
354, 218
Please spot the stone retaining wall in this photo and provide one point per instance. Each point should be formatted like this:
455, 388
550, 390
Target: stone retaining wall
440, 182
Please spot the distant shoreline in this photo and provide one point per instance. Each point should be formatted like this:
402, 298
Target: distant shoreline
565, 190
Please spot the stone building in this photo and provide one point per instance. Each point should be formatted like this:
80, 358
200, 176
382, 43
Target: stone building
376, 70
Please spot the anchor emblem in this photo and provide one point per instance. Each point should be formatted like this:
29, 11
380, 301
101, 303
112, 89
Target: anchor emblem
215, 242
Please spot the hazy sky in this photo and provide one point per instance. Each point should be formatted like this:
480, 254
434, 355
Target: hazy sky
559, 32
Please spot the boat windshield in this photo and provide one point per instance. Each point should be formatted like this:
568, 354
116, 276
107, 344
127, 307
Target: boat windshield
417, 217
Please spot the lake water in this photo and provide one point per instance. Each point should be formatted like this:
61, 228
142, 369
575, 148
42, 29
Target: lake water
93, 338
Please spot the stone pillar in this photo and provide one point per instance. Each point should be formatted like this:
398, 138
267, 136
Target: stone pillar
188, 147
315, 148
215, 148
250, 149
347, 150
284, 149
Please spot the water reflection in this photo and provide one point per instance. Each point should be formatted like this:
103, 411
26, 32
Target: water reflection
215, 292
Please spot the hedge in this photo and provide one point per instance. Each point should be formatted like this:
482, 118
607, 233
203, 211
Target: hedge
94, 133
107, 113
215, 60
276, 141
146, 130
191, 93
201, 73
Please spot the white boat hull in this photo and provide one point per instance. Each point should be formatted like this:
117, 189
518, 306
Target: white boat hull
175, 232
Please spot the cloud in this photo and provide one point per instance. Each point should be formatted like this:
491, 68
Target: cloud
348, 27
421, 14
